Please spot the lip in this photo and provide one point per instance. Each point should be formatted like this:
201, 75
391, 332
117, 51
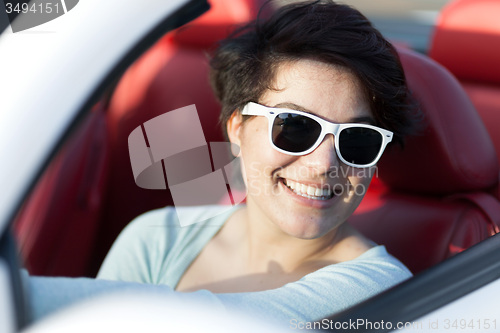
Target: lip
309, 183
320, 204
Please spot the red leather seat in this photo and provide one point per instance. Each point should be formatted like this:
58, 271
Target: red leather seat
87, 194
434, 198
57, 226
467, 42
173, 74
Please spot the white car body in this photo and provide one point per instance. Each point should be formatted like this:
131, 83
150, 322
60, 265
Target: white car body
52, 73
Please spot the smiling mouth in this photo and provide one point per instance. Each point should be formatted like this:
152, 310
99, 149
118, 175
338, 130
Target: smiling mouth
307, 191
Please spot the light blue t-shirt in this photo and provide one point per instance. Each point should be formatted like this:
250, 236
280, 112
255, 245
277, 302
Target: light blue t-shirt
153, 252
155, 249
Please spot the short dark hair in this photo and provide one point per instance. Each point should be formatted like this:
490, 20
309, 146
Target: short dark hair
244, 66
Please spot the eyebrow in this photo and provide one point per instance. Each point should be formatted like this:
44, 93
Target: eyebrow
293, 106
365, 119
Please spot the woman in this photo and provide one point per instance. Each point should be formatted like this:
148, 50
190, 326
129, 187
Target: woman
312, 96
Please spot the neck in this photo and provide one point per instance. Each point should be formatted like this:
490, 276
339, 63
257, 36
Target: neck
269, 249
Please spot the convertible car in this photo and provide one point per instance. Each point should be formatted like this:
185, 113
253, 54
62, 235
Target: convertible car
75, 88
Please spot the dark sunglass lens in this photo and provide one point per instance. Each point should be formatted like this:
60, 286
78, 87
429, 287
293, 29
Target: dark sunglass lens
360, 145
295, 133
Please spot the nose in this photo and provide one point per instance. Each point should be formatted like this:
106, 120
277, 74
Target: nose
324, 158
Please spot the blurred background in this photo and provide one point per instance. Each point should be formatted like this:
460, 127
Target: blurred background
409, 22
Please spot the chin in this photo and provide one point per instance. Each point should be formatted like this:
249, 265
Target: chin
306, 229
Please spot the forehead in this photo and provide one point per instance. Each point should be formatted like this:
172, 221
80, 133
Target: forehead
331, 92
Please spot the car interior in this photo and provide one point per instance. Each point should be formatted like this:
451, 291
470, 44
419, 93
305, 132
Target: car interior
431, 200
466, 42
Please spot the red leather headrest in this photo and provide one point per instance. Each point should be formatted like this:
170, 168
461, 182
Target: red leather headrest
467, 40
218, 22
454, 152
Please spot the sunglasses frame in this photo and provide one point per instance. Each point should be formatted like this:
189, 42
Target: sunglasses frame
255, 109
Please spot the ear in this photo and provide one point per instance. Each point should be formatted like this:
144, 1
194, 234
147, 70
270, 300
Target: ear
234, 129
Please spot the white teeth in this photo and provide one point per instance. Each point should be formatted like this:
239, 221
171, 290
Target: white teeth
308, 191
311, 190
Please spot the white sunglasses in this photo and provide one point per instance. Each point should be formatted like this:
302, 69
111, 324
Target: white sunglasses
299, 133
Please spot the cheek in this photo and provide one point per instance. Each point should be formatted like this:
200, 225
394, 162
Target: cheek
360, 180
258, 156
260, 167
260, 171
253, 137
254, 153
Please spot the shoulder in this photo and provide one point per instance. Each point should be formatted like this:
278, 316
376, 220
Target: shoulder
177, 219
159, 230
339, 286
183, 216
328, 290
374, 270
383, 265
156, 241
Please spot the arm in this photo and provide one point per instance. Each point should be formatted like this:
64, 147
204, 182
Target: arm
317, 295
326, 291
